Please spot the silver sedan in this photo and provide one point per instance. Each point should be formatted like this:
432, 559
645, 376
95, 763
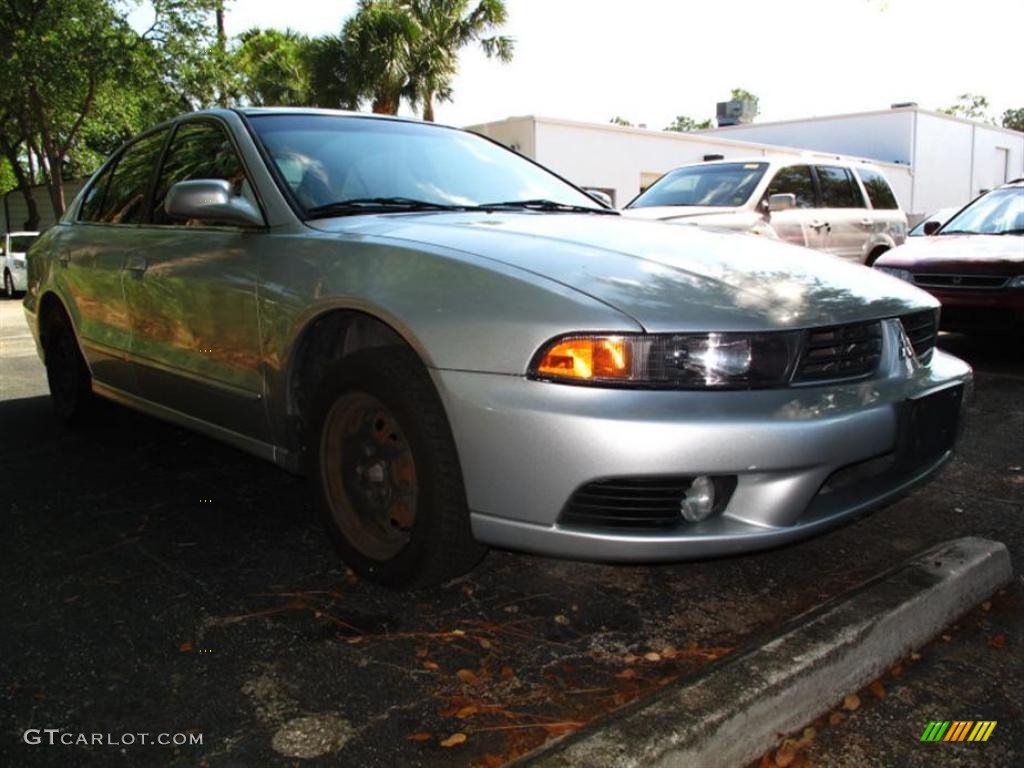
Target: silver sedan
461, 349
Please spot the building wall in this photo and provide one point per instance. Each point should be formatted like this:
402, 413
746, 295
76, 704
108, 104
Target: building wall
14, 212
624, 159
952, 159
885, 136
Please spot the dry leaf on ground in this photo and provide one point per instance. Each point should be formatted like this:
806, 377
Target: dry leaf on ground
851, 702
421, 736
454, 740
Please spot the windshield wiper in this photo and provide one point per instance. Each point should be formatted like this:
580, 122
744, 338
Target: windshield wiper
1014, 231
380, 205
544, 205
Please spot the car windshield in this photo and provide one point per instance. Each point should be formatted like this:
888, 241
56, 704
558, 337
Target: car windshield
1000, 212
21, 243
371, 165
722, 184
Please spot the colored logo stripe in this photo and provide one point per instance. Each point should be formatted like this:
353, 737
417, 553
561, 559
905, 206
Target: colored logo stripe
982, 730
958, 730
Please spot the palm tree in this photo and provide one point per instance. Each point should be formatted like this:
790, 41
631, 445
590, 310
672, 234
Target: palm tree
445, 27
275, 67
379, 44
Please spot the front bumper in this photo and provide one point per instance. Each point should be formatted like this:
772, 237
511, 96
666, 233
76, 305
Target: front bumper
526, 446
981, 310
19, 276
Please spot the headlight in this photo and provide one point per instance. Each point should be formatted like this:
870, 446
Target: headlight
1016, 282
902, 274
670, 361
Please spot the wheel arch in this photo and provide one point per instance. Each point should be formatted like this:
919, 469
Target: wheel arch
329, 335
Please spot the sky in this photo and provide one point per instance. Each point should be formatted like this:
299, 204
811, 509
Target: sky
650, 60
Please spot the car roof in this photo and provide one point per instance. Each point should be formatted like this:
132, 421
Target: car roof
255, 111
811, 158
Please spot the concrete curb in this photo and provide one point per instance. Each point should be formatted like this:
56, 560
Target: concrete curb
736, 709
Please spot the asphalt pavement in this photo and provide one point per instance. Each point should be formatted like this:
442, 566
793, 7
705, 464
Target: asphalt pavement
157, 582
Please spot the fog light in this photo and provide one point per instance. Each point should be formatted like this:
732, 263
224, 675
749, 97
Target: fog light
699, 501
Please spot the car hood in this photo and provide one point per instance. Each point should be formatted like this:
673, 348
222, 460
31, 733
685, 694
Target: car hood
959, 251
677, 212
666, 278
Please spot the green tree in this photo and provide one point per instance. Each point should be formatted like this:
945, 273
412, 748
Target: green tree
78, 81
60, 56
445, 28
274, 67
332, 81
971, 106
683, 124
379, 50
619, 120
1014, 118
7, 180
741, 94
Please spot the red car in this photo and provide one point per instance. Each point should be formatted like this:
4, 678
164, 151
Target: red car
973, 264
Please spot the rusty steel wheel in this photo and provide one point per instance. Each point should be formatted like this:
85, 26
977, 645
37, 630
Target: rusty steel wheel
369, 475
385, 471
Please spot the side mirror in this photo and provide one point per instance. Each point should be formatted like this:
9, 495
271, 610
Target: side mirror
210, 200
781, 202
931, 227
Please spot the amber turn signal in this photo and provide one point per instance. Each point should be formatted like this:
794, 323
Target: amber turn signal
587, 358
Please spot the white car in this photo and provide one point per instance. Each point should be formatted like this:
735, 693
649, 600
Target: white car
846, 209
12, 261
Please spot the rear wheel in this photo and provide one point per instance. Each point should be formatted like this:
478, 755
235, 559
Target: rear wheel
8, 285
385, 472
66, 372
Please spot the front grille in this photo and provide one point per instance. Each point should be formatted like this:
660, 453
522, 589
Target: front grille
631, 503
960, 281
840, 352
637, 503
922, 328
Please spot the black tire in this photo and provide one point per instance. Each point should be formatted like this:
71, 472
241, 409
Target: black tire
67, 373
873, 256
8, 285
385, 472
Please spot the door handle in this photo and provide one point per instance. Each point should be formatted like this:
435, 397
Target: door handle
866, 222
136, 265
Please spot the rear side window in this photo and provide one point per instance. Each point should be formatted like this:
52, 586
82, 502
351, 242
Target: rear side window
879, 191
126, 191
199, 150
93, 202
795, 180
838, 188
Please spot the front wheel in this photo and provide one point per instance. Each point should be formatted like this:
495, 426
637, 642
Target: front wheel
385, 471
8, 285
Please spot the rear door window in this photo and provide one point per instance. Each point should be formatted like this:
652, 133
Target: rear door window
795, 180
879, 191
838, 188
92, 205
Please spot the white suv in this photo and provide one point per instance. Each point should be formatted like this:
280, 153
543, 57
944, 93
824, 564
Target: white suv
847, 209
12, 262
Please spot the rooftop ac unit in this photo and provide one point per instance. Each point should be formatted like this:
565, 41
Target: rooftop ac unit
735, 112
